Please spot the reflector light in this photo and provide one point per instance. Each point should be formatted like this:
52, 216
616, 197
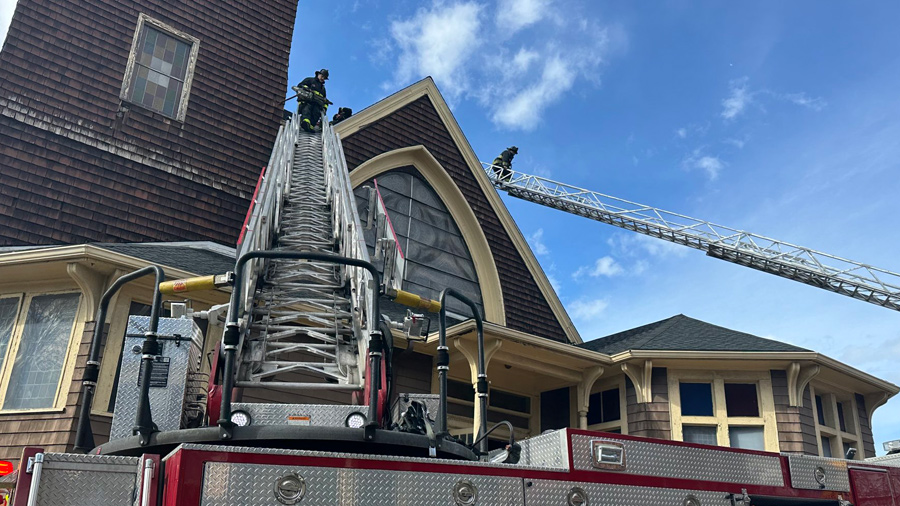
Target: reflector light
6, 467
892, 445
240, 418
355, 420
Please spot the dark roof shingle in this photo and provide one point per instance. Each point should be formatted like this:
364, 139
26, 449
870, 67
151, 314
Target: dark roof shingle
682, 333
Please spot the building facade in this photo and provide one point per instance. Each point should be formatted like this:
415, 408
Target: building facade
135, 121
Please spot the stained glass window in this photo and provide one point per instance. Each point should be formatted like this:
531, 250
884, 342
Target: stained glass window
161, 69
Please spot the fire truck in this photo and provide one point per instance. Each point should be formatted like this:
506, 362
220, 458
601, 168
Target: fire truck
305, 295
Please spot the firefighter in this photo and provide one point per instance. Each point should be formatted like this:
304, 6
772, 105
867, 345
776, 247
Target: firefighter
311, 110
342, 114
502, 165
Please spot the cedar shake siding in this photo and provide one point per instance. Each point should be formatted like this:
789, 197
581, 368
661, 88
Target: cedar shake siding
796, 428
650, 419
865, 427
80, 165
418, 123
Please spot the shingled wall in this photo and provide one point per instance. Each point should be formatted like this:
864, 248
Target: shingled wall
79, 167
418, 123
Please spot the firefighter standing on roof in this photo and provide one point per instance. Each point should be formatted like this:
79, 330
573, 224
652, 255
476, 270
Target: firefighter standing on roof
311, 110
502, 165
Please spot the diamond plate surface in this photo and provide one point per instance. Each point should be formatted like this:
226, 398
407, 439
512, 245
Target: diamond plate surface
320, 415
99, 479
547, 450
803, 473
885, 460
546, 492
358, 456
659, 459
240, 484
167, 405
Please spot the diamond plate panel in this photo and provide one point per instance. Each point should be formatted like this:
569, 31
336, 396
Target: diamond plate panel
167, 405
803, 473
885, 460
240, 484
547, 450
659, 459
100, 479
357, 456
320, 415
545, 492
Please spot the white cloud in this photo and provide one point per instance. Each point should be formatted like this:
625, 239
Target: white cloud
631, 244
532, 64
7, 8
439, 42
514, 15
537, 243
605, 266
738, 100
588, 309
712, 165
816, 104
681, 132
557, 286
738, 143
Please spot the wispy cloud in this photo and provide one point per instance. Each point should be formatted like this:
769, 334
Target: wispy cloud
738, 99
514, 15
588, 309
631, 244
738, 143
530, 62
604, 266
801, 99
681, 133
537, 243
439, 41
741, 96
712, 165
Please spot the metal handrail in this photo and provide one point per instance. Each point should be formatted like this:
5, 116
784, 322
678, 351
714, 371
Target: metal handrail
829, 272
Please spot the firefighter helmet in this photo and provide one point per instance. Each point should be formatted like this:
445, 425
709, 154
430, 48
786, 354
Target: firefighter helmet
324, 72
514, 149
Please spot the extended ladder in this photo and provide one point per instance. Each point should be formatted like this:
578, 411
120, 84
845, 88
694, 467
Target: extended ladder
829, 272
305, 324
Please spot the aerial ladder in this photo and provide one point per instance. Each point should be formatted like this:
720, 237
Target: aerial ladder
822, 270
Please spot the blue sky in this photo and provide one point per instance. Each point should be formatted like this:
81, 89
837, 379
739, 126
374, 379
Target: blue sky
779, 118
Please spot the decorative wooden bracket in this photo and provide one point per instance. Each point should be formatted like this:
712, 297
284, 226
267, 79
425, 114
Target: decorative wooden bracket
91, 284
798, 377
583, 391
640, 376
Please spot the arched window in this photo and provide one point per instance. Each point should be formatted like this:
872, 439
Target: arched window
437, 256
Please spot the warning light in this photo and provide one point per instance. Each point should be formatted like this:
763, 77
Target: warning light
6, 467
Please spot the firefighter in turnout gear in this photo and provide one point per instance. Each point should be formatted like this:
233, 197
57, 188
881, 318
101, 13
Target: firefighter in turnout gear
311, 96
502, 165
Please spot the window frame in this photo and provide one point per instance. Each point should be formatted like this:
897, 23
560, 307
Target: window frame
460, 425
603, 385
126, 91
831, 395
66, 368
720, 419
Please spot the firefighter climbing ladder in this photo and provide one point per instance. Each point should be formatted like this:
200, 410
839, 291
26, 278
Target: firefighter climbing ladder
829, 272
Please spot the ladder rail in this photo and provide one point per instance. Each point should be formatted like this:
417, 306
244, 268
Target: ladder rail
829, 272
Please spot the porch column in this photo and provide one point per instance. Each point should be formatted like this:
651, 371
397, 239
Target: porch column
469, 349
583, 391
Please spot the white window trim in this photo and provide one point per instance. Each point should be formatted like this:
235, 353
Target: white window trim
125, 94
66, 369
720, 418
622, 422
829, 393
